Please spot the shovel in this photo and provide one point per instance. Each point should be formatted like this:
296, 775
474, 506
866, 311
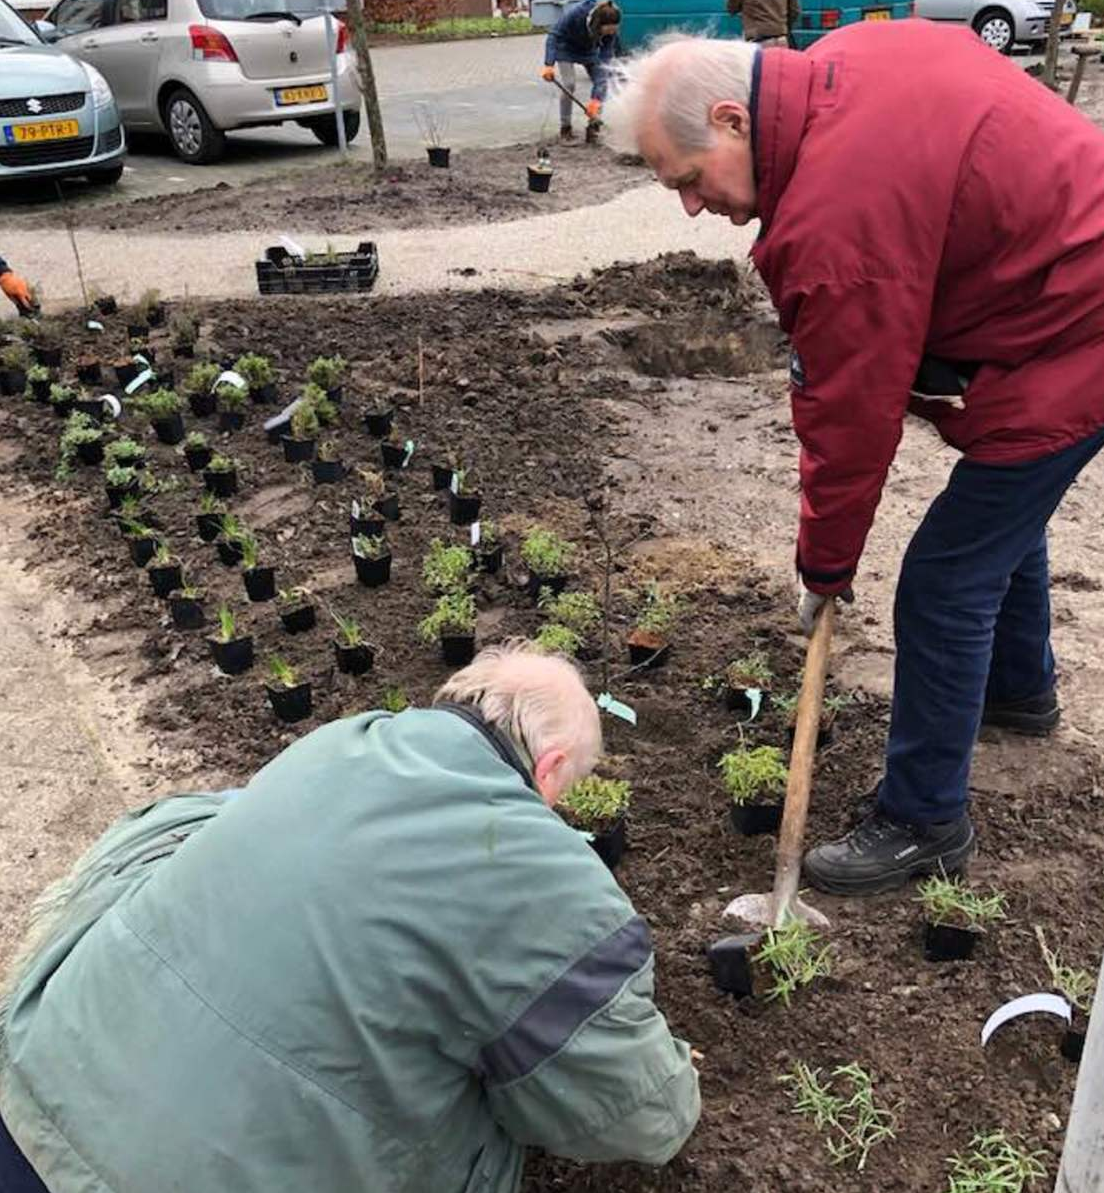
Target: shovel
782, 904
593, 126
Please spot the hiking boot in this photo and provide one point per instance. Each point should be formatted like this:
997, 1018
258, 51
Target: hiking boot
880, 854
1036, 717
567, 133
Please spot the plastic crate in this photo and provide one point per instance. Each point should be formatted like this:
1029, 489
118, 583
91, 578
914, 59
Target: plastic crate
283, 273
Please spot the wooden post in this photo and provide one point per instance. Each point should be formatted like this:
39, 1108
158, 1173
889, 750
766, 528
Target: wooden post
1082, 1169
358, 33
1083, 54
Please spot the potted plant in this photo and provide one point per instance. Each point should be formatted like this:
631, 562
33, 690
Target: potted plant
119, 481
745, 675
554, 638
540, 175
752, 778
186, 608
328, 373
446, 569
372, 560
125, 453
46, 344
105, 304
577, 612
61, 399
378, 419
15, 361
92, 406
598, 809
210, 517
162, 408
955, 917
164, 571
229, 542
126, 370
89, 369
442, 473
433, 126
394, 700
354, 656
260, 582
290, 699
304, 427
547, 556
490, 550
142, 542
259, 376
197, 451
39, 382
82, 438
774, 964
198, 388
297, 610
384, 502
327, 469
650, 642
393, 450
452, 623
233, 653
464, 499
221, 475
829, 711
1077, 987
149, 309
365, 519
323, 405
230, 400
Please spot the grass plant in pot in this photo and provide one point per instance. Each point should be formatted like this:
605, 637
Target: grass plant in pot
39, 381
184, 329
231, 651
290, 698
755, 781
328, 373
393, 451
15, 362
297, 610
1077, 987
354, 656
210, 516
164, 571
743, 677
442, 473
465, 499
120, 481
490, 551
259, 376
83, 439
327, 469
163, 409
149, 310
231, 402
378, 419
540, 174
197, 451
364, 517
46, 344
372, 560
548, 558
229, 542
772, 965
598, 808
650, 641
955, 917
446, 568
186, 608
221, 475
141, 540
198, 388
452, 624
259, 580
304, 427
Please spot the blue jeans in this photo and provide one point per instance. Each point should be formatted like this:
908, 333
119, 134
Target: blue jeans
16, 1175
972, 623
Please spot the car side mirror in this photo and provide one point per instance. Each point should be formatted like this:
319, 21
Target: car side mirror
47, 30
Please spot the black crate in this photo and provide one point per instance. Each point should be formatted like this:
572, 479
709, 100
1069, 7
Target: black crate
282, 273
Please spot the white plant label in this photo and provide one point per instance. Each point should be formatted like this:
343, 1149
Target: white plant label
145, 376
293, 247
454, 484
409, 445
616, 708
113, 404
476, 534
355, 508
755, 699
94, 325
587, 837
139, 359
1026, 1004
230, 378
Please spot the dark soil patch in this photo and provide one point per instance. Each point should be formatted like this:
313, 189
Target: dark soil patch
528, 413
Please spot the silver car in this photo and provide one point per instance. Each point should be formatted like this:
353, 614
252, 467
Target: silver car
196, 68
1000, 23
57, 116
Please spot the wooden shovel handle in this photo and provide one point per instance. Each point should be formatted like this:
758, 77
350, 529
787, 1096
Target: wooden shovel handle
791, 837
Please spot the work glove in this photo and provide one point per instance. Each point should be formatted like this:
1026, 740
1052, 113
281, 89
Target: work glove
18, 291
549, 74
809, 605
594, 109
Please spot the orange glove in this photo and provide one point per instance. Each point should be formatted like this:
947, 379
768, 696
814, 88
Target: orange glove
594, 109
549, 74
17, 290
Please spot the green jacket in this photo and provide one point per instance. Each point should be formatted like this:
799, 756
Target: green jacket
383, 966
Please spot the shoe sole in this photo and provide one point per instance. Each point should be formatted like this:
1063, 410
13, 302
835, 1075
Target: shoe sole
946, 863
1026, 724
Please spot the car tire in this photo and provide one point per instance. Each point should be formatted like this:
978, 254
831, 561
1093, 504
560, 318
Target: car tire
325, 127
194, 138
106, 177
996, 28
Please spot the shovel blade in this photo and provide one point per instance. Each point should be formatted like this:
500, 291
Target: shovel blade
759, 912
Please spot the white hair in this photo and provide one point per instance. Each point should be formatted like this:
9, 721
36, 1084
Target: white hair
538, 700
677, 79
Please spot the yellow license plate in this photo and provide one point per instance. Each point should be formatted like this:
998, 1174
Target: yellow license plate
301, 95
49, 130
878, 14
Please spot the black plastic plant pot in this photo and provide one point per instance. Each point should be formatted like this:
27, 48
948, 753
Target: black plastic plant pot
260, 583
12, 382
464, 508
107, 305
327, 472
157, 315
298, 621
169, 430
233, 657
1073, 1044
378, 422
491, 561
392, 454
738, 701
648, 650
202, 405
230, 552
369, 527
50, 357
539, 180
438, 156
93, 407
184, 351
209, 526
187, 612
89, 373
610, 845
387, 507
166, 579
263, 395
555, 584
40, 390
753, 820
353, 660
458, 650
291, 704
62, 409
373, 572
826, 730
142, 550
116, 493
222, 484
336, 394
91, 452
946, 942
297, 451
231, 420
442, 476
198, 457
125, 373
731, 962
137, 331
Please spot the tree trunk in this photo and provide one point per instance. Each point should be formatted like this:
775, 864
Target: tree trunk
358, 32
1083, 1156
1050, 63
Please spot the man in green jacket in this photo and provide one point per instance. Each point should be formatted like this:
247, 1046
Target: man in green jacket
386, 964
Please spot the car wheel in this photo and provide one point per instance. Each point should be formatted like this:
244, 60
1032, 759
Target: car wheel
995, 27
106, 177
194, 138
325, 127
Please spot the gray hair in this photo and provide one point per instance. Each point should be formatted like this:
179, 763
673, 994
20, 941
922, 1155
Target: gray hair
538, 700
677, 79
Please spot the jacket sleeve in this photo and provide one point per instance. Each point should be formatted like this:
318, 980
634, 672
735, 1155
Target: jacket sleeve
551, 44
857, 347
590, 1070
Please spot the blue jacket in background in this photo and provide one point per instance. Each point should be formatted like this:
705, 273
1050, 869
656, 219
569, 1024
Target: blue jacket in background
569, 40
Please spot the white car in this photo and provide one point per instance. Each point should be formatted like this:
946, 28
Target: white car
1000, 23
197, 68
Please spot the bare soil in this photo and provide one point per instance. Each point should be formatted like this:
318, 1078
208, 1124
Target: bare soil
549, 395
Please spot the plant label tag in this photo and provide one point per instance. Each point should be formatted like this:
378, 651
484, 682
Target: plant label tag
616, 708
293, 247
454, 484
755, 699
354, 509
114, 406
229, 377
139, 359
94, 325
142, 379
1026, 1004
476, 534
409, 446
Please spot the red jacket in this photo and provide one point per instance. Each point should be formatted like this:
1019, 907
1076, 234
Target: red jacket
921, 194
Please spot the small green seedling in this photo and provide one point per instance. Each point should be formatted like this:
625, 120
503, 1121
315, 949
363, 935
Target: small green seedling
250, 551
124, 452
546, 554
371, 547
120, 477
209, 503
579, 611
489, 535
995, 1163
843, 1109
200, 378
231, 398
228, 626
659, 613
559, 639
948, 901
160, 404
289, 599
1077, 985
794, 957
220, 463
446, 569
595, 803
394, 700
317, 398
232, 528
257, 370
162, 557
750, 671
327, 372
281, 672
749, 775
350, 631
38, 373
194, 441
453, 615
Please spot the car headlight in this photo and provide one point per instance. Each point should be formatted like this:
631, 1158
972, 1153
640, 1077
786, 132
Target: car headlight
101, 92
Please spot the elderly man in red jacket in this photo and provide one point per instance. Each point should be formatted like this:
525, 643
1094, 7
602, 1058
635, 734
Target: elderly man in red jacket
932, 234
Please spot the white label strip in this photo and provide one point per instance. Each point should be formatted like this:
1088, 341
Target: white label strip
1026, 1004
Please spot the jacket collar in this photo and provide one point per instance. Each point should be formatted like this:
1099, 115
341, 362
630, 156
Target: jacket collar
780, 105
501, 744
